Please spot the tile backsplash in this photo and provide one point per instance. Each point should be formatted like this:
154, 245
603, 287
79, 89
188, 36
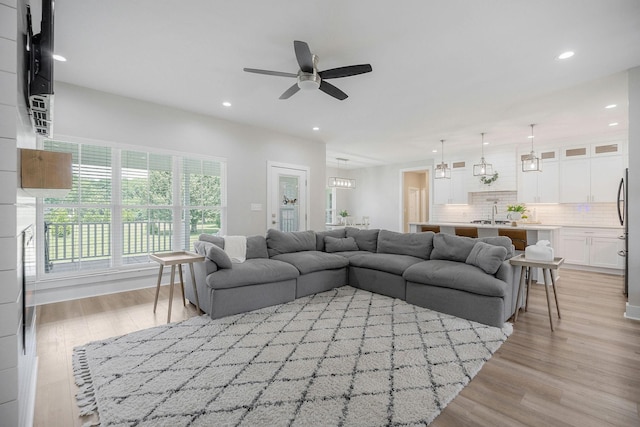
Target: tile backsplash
481, 204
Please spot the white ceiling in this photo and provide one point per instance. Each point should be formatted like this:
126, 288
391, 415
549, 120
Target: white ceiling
441, 69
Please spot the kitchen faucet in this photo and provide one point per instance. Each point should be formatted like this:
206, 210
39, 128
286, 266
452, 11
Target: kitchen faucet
494, 212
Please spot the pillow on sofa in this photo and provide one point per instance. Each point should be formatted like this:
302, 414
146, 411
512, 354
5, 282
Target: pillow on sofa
212, 238
219, 256
333, 244
339, 234
281, 242
257, 247
451, 247
486, 256
500, 241
367, 240
418, 245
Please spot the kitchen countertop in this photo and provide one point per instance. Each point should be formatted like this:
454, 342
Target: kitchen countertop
525, 226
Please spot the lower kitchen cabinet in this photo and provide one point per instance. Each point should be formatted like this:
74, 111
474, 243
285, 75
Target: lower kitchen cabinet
594, 247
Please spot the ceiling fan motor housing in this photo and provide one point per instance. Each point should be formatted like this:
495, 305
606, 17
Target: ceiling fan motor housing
310, 81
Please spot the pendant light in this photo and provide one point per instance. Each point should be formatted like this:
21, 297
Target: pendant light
531, 163
483, 168
442, 170
339, 182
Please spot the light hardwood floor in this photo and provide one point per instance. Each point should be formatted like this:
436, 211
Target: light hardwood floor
586, 373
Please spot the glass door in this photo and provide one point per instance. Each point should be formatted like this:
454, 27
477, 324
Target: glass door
288, 194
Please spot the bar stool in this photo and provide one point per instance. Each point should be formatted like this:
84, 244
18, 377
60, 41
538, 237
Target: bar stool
434, 228
518, 237
466, 231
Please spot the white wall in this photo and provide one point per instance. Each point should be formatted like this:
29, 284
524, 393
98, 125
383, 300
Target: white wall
93, 115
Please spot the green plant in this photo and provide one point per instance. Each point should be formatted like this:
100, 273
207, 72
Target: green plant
519, 207
343, 213
489, 180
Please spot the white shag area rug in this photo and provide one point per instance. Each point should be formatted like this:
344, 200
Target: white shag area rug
345, 357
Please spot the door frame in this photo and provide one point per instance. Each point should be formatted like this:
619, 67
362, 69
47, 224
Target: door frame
402, 171
305, 221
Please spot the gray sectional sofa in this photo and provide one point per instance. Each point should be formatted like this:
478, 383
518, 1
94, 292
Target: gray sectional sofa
462, 276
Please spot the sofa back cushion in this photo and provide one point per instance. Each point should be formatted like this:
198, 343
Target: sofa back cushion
487, 257
367, 240
256, 245
320, 235
333, 244
451, 247
418, 245
281, 242
503, 241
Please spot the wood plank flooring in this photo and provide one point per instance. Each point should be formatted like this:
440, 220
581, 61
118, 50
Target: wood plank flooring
586, 373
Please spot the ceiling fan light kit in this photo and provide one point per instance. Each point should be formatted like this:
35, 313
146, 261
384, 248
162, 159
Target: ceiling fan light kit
531, 163
309, 78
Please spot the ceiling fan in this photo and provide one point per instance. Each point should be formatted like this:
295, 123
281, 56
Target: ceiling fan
309, 77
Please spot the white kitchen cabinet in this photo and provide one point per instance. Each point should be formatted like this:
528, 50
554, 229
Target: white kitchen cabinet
594, 247
591, 174
454, 190
540, 187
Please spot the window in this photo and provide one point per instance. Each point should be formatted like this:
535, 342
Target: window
126, 204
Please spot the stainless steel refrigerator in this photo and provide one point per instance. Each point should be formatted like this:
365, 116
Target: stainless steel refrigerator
623, 215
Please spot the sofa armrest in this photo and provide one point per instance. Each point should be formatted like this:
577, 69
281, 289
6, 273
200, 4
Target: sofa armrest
201, 248
511, 275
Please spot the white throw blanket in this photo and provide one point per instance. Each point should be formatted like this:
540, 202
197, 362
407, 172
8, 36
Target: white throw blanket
236, 248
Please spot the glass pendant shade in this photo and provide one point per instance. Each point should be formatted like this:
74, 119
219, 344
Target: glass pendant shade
442, 170
483, 168
531, 163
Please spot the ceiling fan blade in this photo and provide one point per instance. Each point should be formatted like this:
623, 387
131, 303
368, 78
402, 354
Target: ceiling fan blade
269, 73
350, 70
287, 93
330, 89
303, 55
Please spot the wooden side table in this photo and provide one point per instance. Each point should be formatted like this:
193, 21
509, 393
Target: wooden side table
547, 267
176, 259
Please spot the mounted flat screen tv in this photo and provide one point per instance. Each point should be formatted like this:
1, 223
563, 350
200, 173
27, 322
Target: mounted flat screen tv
40, 70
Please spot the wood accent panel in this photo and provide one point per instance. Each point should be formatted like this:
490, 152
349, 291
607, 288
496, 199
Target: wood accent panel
457, 165
609, 148
45, 169
548, 155
586, 373
573, 152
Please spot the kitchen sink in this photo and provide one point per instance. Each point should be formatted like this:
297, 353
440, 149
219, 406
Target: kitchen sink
488, 221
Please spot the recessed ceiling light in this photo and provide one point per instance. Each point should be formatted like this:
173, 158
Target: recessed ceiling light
59, 58
613, 124
610, 106
226, 104
434, 151
530, 137
485, 143
316, 128
566, 55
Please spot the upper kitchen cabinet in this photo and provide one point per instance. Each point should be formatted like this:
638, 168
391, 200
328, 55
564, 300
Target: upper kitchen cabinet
540, 187
591, 173
454, 190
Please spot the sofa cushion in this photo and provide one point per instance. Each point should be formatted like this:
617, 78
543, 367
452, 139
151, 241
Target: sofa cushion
390, 263
415, 244
309, 261
451, 247
281, 242
320, 235
456, 275
349, 254
503, 241
487, 257
257, 247
340, 245
216, 254
252, 272
201, 248
212, 238
367, 240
